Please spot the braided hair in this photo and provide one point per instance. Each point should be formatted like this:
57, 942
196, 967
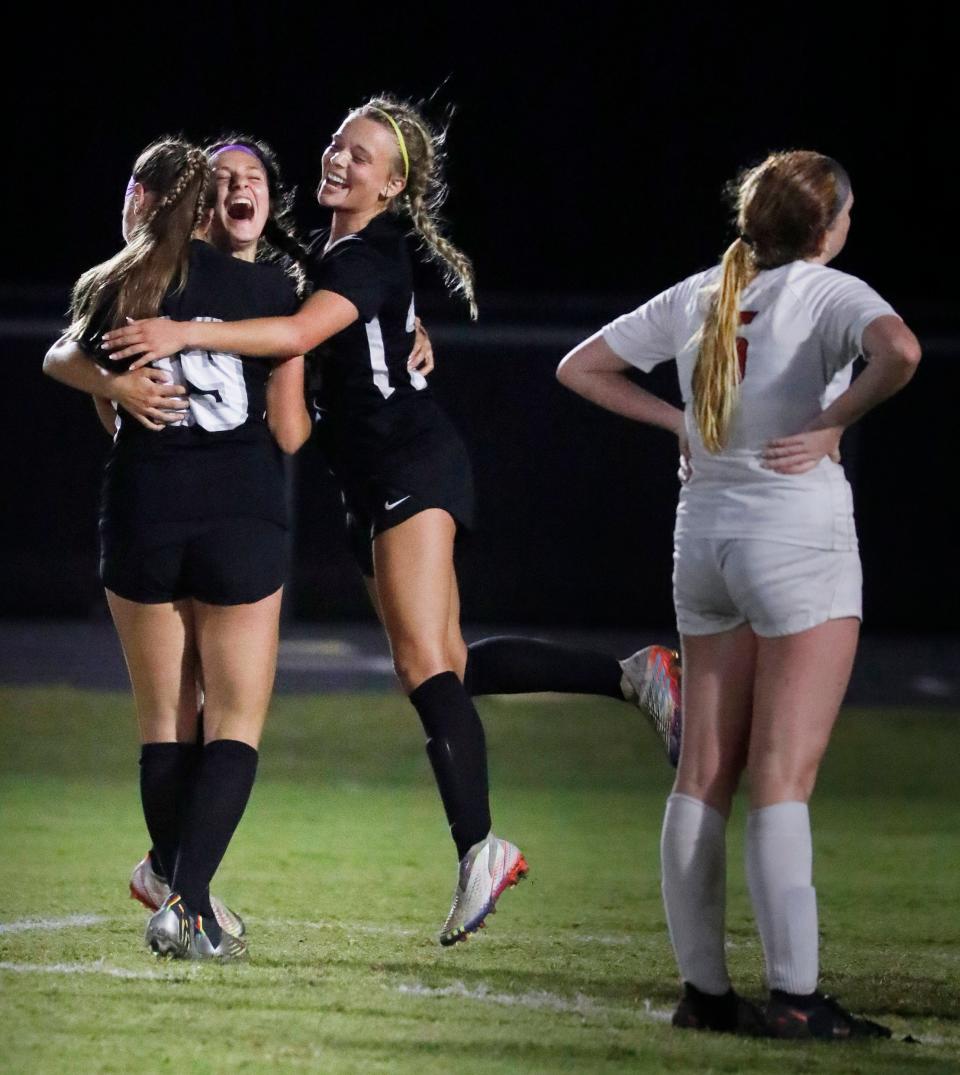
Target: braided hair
426, 189
133, 283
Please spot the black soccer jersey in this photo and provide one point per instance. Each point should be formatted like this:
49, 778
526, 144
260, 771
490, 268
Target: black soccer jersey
365, 365
380, 428
221, 460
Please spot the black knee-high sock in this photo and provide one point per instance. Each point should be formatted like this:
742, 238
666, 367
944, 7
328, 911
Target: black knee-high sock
512, 665
224, 782
190, 762
167, 772
457, 751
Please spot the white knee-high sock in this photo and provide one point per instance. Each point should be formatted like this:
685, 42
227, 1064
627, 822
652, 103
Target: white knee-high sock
779, 860
693, 856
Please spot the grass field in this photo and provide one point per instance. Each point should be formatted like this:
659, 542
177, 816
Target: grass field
343, 870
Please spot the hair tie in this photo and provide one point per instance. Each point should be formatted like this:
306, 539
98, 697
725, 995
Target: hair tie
746, 239
400, 141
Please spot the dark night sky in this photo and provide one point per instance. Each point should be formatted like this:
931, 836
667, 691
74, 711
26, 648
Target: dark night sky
587, 154
587, 157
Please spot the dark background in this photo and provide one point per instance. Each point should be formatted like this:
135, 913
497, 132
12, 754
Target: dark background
586, 161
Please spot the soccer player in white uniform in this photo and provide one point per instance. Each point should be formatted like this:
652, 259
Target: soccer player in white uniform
766, 570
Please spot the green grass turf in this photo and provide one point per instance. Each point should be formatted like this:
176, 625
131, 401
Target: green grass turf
343, 869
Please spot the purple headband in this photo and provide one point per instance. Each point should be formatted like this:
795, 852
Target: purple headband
241, 148
130, 185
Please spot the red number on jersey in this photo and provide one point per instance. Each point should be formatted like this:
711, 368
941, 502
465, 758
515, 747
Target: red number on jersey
746, 316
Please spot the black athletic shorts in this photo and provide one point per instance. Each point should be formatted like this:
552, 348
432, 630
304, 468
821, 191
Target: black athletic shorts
221, 562
416, 462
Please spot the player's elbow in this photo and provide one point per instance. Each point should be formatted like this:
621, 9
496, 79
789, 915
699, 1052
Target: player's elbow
566, 371
52, 361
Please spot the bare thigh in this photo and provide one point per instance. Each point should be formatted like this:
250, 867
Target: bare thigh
456, 647
417, 592
238, 651
718, 672
799, 686
159, 647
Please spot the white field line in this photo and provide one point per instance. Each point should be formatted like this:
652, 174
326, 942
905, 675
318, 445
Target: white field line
73, 921
538, 999
613, 940
98, 966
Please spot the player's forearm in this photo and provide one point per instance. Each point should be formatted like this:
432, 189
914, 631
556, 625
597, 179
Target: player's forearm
596, 372
287, 416
616, 392
261, 337
894, 355
67, 363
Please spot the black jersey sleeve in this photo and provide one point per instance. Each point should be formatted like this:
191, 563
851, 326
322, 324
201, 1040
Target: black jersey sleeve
354, 270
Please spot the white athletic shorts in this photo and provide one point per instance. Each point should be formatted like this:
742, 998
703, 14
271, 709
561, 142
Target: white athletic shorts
779, 589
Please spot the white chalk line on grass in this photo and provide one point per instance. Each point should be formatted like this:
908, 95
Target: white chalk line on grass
73, 921
98, 966
537, 999
613, 940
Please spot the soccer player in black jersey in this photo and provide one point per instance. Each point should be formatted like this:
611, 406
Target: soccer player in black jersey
405, 474
193, 520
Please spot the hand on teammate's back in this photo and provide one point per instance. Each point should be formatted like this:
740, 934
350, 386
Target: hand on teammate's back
150, 397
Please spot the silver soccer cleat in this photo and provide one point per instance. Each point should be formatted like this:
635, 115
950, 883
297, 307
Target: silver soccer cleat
201, 947
651, 679
152, 890
168, 930
486, 870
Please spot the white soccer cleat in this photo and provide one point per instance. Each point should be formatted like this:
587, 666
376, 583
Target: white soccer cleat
488, 868
152, 890
651, 679
147, 886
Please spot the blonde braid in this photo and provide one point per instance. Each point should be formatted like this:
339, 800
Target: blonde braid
716, 375
425, 192
196, 164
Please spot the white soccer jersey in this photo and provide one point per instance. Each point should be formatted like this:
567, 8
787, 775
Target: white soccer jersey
801, 328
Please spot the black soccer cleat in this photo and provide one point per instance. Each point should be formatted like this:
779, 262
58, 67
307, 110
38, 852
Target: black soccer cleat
728, 1013
816, 1016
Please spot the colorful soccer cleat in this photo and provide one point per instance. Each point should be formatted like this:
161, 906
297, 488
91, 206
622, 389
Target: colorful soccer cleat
168, 930
651, 679
152, 890
488, 868
728, 1013
816, 1016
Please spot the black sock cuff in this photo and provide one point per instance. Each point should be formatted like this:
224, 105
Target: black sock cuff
436, 688
230, 748
149, 751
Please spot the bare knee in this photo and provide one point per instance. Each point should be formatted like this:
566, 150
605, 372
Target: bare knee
715, 789
775, 779
710, 778
415, 662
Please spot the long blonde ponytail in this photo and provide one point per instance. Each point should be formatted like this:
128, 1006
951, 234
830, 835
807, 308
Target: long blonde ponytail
784, 207
716, 375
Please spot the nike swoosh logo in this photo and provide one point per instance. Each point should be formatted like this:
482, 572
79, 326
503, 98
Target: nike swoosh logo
390, 506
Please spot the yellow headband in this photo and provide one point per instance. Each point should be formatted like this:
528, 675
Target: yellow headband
400, 141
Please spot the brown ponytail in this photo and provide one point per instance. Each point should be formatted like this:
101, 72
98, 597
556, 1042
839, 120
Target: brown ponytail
784, 206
